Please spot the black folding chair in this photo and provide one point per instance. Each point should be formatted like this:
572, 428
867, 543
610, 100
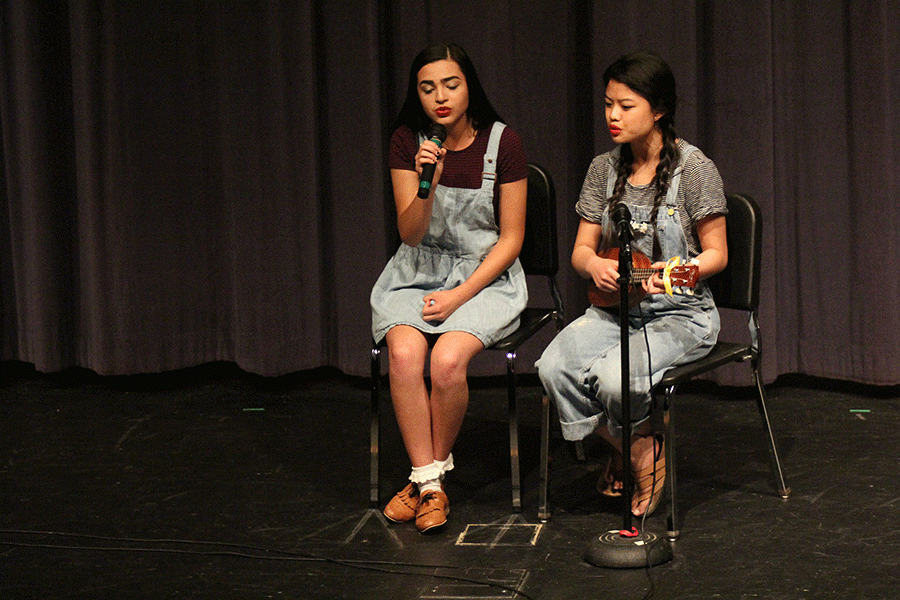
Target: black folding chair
737, 288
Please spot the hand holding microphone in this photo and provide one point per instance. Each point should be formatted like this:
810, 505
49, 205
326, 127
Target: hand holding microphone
437, 134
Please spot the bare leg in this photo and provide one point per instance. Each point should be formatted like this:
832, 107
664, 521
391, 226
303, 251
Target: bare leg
407, 350
450, 359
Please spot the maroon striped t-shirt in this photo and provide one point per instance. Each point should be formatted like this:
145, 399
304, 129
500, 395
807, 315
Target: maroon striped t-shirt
462, 169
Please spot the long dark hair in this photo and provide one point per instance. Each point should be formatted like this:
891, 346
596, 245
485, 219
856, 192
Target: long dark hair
648, 75
480, 110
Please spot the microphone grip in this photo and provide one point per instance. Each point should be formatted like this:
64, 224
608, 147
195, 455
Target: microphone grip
437, 134
425, 179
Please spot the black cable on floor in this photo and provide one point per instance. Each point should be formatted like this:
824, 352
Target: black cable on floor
260, 553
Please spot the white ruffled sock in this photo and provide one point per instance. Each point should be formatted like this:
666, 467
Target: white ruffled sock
426, 478
445, 465
431, 477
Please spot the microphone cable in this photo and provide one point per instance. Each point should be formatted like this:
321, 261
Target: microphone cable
649, 567
243, 551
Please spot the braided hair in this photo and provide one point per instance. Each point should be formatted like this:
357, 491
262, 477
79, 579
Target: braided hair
649, 76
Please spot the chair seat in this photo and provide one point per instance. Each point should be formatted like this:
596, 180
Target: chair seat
530, 322
721, 354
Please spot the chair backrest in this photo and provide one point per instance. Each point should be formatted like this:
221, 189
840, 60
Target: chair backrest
539, 249
737, 286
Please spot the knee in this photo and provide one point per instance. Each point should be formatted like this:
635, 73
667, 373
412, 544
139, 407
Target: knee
405, 359
447, 369
609, 389
552, 368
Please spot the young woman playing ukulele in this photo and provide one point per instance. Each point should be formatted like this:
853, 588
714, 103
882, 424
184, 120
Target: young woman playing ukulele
675, 197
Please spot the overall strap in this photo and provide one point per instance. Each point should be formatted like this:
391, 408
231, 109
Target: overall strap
489, 168
611, 171
672, 194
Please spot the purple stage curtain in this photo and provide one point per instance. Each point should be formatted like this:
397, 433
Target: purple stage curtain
193, 181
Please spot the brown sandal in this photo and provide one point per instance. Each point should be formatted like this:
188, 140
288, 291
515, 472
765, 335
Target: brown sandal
611, 482
649, 482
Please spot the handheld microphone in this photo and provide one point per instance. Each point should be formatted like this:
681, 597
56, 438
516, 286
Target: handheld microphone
437, 134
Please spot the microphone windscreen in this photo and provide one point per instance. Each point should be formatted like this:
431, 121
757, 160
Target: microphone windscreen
438, 132
620, 213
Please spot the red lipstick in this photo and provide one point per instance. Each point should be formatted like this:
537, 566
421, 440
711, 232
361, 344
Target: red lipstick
442, 112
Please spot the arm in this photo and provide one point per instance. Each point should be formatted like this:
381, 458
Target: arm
713, 256
414, 213
604, 272
591, 206
714, 244
513, 198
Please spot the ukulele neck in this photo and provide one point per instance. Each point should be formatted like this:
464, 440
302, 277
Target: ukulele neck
640, 274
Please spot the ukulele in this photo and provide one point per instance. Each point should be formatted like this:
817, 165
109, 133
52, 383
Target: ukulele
673, 275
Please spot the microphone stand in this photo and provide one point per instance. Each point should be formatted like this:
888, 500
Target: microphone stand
627, 548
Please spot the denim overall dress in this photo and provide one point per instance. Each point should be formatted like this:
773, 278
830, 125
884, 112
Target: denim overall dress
461, 233
581, 368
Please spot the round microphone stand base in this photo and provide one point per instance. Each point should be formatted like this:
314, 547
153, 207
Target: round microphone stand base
618, 550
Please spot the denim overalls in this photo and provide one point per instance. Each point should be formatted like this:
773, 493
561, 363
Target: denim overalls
462, 231
581, 368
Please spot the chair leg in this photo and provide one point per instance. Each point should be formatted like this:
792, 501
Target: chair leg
513, 432
579, 451
783, 490
374, 426
543, 508
672, 528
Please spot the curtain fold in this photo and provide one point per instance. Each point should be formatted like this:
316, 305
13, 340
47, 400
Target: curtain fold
193, 181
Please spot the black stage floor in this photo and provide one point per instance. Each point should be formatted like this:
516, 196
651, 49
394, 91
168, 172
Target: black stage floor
213, 483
